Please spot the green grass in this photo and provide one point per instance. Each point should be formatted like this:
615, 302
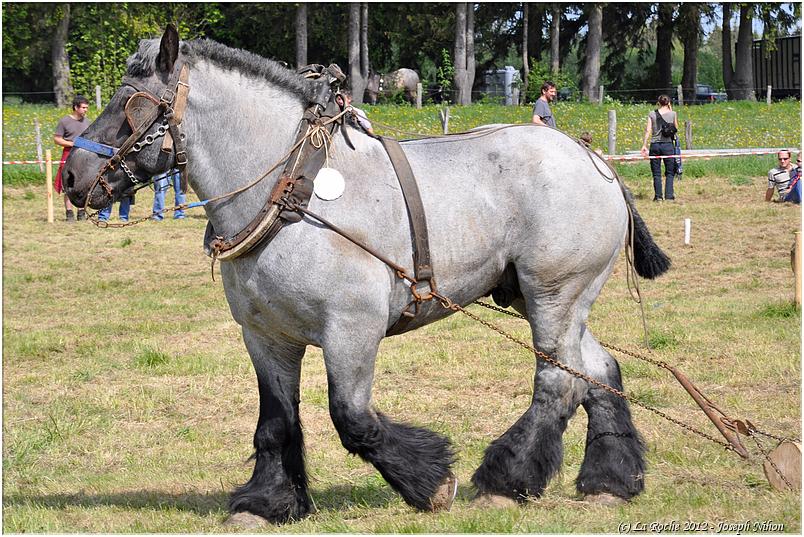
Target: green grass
129, 401
720, 125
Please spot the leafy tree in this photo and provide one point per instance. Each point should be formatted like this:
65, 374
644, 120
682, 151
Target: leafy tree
541, 71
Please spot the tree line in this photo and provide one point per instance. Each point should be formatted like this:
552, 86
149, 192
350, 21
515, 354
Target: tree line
73, 47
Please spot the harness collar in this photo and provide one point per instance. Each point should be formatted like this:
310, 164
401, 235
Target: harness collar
295, 184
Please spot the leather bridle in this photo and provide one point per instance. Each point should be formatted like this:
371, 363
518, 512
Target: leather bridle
142, 110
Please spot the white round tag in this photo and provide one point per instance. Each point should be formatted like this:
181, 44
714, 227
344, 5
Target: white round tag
329, 184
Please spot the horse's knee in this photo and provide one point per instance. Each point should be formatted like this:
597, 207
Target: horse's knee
358, 429
272, 434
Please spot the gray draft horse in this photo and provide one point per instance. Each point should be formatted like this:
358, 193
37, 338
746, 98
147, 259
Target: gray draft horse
522, 207
401, 79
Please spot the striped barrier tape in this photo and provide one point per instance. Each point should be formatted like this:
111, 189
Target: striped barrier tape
31, 162
624, 158
615, 158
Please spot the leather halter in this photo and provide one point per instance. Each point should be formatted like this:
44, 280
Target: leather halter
170, 105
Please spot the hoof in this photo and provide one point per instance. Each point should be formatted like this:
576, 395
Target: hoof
604, 498
494, 501
246, 520
445, 494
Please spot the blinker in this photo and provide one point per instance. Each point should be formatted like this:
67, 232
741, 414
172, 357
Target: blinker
138, 108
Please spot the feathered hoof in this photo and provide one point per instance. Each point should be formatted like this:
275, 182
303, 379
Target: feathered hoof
604, 498
246, 521
445, 494
493, 501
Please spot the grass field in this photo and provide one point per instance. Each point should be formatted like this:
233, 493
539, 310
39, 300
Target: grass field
129, 401
720, 125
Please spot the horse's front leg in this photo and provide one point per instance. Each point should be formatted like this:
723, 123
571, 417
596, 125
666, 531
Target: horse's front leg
277, 490
413, 460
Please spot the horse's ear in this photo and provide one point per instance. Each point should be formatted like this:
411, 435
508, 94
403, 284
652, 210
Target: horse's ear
168, 49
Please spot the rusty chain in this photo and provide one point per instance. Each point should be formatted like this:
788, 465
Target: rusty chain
767, 458
445, 302
658, 363
752, 431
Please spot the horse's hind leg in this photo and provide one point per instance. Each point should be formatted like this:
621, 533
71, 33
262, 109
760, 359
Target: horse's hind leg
277, 490
614, 460
413, 460
521, 462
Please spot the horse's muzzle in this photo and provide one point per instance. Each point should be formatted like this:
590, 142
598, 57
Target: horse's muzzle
78, 180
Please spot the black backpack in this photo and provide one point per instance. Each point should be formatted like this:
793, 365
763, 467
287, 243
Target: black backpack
668, 130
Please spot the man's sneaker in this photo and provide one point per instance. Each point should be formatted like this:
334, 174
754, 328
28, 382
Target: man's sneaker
82, 214
70, 215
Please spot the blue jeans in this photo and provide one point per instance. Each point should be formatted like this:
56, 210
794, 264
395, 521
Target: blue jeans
125, 206
160, 185
663, 148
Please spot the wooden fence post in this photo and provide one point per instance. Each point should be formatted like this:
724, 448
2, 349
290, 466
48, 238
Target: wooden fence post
38, 144
797, 266
600, 95
612, 132
687, 134
419, 96
49, 179
515, 97
768, 95
443, 115
98, 97
680, 94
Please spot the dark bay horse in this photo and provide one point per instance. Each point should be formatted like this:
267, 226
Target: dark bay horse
522, 206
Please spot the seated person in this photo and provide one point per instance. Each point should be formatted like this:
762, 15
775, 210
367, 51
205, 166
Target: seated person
779, 177
794, 188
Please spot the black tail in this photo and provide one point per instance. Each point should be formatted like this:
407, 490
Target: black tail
649, 260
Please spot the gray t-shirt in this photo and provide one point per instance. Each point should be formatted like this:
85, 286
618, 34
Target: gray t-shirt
70, 129
542, 109
656, 135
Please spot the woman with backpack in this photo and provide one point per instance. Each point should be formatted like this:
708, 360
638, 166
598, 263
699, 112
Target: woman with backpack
661, 130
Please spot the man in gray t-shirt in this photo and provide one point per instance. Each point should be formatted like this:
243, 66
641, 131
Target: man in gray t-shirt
69, 128
542, 115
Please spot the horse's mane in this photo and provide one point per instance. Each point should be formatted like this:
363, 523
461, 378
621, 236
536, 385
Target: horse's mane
143, 63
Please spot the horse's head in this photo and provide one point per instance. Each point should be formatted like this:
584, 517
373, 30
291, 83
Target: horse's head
126, 145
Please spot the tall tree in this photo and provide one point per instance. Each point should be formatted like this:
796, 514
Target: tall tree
728, 68
301, 34
594, 42
61, 61
464, 60
358, 73
364, 55
470, 52
689, 29
738, 78
525, 60
555, 31
664, 47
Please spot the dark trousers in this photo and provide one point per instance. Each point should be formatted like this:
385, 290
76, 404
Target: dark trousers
663, 148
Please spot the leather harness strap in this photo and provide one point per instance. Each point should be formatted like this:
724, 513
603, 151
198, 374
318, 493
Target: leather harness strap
422, 265
423, 268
